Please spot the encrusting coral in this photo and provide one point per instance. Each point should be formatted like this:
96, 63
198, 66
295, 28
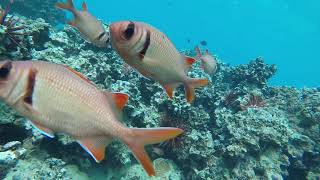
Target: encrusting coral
277, 139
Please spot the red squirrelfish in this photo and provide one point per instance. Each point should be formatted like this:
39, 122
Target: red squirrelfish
90, 28
208, 62
56, 98
150, 52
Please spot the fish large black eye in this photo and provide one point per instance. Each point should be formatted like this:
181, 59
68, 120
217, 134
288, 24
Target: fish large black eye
128, 33
5, 70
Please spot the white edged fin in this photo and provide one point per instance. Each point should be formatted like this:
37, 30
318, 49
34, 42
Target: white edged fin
95, 146
88, 151
43, 130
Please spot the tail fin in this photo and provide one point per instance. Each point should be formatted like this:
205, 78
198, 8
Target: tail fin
67, 6
191, 85
139, 137
198, 51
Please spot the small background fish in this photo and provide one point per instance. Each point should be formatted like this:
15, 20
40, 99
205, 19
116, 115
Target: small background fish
90, 28
208, 62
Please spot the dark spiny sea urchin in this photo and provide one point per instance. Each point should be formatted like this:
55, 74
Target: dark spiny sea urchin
175, 143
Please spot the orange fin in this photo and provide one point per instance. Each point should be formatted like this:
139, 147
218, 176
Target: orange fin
43, 130
120, 99
139, 137
191, 85
72, 23
67, 6
78, 74
169, 89
188, 62
84, 6
95, 146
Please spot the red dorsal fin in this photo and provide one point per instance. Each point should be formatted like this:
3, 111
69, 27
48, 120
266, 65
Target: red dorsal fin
84, 6
120, 99
188, 62
95, 146
78, 74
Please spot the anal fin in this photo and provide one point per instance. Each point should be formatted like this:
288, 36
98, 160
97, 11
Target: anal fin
95, 146
43, 130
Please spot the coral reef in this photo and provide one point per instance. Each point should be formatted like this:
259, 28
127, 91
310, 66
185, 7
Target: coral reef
33, 36
37, 9
239, 127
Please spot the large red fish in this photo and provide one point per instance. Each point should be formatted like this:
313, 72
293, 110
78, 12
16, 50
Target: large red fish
90, 28
58, 99
150, 52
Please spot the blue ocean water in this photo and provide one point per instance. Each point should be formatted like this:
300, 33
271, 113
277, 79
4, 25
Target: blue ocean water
284, 32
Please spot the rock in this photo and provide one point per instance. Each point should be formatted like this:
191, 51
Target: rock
9, 159
276, 139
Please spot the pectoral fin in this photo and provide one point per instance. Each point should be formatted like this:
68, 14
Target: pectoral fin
43, 130
95, 146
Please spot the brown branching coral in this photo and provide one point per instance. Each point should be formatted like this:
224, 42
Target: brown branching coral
9, 27
254, 101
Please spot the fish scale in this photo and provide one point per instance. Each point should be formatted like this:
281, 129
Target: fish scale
60, 86
89, 27
155, 58
56, 98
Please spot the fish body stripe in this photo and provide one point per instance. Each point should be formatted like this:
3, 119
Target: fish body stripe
30, 86
101, 35
146, 44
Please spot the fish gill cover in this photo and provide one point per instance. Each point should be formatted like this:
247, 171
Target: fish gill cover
238, 127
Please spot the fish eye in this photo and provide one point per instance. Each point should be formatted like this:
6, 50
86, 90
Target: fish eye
5, 70
128, 33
